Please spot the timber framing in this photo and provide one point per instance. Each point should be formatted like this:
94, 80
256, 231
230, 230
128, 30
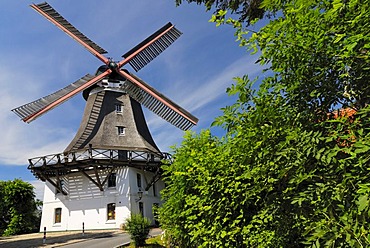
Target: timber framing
157, 175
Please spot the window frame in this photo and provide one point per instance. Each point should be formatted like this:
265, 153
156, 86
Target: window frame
141, 208
138, 180
154, 190
57, 215
111, 211
121, 130
118, 107
112, 180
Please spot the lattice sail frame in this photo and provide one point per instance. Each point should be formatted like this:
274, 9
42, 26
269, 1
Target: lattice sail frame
159, 107
155, 48
137, 57
46, 10
39, 104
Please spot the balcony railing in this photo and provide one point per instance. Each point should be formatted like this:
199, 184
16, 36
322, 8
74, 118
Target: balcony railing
106, 155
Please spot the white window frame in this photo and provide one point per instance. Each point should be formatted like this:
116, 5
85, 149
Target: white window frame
55, 215
121, 130
118, 107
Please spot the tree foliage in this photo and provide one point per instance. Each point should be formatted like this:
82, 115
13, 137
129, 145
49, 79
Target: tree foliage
18, 208
319, 52
247, 10
290, 172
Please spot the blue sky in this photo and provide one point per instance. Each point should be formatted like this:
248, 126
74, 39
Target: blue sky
37, 59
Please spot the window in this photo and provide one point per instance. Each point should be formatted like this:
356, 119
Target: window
118, 108
112, 180
138, 178
121, 131
58, 215
154, 190
141, 208
111, 211
122, 154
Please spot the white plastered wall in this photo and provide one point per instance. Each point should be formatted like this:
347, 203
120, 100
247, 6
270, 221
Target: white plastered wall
85, 203
149, 198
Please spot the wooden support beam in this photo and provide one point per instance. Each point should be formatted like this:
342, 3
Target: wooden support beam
156, 177
55, 185
109, 173
98, 178
60, 188
92, 180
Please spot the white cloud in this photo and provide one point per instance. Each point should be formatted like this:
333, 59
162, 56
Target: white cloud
215, 87
39, 188
21, 141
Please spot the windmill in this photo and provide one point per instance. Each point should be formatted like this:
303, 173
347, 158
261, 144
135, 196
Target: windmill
137, 57
102, 145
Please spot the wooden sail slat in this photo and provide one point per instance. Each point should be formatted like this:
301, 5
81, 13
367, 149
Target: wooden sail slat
46, 9
33, 107
158, 103
151, 47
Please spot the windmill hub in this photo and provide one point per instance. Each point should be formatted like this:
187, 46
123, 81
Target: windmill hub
112, 65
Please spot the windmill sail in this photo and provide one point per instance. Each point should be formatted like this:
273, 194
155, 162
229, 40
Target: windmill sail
32, 110
151, 47
53, 16
137, 57
158, 103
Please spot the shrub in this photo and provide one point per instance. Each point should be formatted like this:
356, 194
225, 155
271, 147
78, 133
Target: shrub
138, 228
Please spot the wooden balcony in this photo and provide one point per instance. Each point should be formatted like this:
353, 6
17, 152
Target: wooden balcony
56, 165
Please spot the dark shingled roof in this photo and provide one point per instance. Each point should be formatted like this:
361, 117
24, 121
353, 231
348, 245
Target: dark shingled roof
100, 122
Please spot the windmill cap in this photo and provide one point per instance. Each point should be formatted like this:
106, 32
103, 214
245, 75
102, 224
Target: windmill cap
100, 70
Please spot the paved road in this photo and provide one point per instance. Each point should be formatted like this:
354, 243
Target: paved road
109, 241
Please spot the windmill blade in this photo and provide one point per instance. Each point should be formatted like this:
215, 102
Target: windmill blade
53, 16
151, 47
157, 102
32, 110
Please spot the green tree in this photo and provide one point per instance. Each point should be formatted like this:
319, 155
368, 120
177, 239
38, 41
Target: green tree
247, 10
18, 208
138, 227
319, 52
287, 173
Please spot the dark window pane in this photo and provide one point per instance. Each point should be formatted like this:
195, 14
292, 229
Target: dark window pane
112, 180
138, 180
154, 190
118, 108
141, 208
